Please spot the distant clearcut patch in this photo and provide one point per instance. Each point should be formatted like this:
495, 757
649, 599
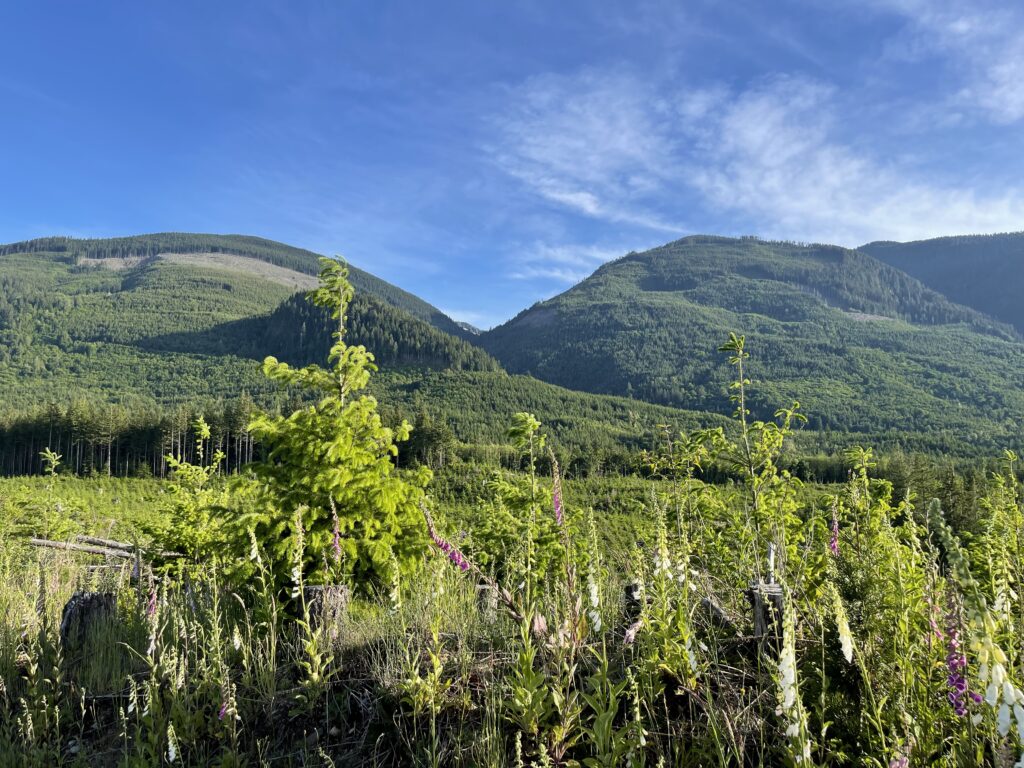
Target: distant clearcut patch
863, 317
115, 263
251, 266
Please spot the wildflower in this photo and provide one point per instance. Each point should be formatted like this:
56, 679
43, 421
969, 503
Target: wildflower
631, 632
956, 664
254, 550
395, 594
151, 604
453, 554
236, 639
300, 547
842, 624
594, 612
336, 540
790, 707
172, 744
593, 566
223, 710
899, 762
556, 493
833, 542
662, 558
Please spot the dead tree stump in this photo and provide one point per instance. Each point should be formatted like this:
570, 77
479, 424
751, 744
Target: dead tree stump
766, 603
487, 601
82, 612
327, 604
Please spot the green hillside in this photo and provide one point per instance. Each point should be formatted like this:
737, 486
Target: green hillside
114, 323
120, 251
861, 345
158, 335
985, 272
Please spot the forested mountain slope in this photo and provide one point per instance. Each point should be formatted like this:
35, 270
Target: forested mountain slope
119, 253
115, 321
985, 272
863, 346
118, 347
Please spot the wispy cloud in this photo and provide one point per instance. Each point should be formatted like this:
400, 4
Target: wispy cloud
984, 41
595, 143
774, 156
565, 263
774, 152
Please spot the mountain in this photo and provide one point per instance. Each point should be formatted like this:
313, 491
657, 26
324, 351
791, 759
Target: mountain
985, 272
863, 346
275, 261
159, 321
175, 317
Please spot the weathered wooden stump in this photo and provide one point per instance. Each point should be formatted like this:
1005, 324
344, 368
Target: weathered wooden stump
327, 604
487, 601
634, 599
82, 613
716, 616
766, 603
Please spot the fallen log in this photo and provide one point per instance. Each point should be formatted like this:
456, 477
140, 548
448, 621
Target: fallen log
89, 549
83, 539
93, 549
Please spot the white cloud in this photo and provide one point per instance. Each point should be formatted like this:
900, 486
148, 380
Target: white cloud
564, 263
985, 42
594, 143
773, 152
774, 157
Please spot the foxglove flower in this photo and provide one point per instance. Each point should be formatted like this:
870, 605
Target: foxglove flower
843, 625
556, 493
833, 542
956, 664
336, 540
453, 554
172, 744
790, 707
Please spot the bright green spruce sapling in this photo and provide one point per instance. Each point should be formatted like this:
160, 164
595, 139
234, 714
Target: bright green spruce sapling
328, 466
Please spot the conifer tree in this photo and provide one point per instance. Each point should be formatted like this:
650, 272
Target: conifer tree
328, 468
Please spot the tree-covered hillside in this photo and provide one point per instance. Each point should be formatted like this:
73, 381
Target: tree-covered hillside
985, 272
112, 361
861, 345
173, 330
132, 250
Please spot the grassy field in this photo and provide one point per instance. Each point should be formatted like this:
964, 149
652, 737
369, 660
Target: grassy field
324, 607
897, 640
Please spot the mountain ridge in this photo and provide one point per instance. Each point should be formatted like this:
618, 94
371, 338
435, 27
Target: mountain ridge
985, 272
828, 326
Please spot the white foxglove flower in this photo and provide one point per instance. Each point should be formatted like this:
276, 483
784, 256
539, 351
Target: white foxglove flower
172, 744
1003, 720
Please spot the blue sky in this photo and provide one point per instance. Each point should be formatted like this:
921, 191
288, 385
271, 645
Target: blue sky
486, 155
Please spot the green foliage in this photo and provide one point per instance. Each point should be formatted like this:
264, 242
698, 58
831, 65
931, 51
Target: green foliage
197, 527
888, 614
865, 348
978, 271
327, 474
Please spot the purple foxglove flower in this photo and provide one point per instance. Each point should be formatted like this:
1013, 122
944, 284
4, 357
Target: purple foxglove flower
956, 663
453, 554
151, 604
833, 542
223, 710
556, 496
336, 542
